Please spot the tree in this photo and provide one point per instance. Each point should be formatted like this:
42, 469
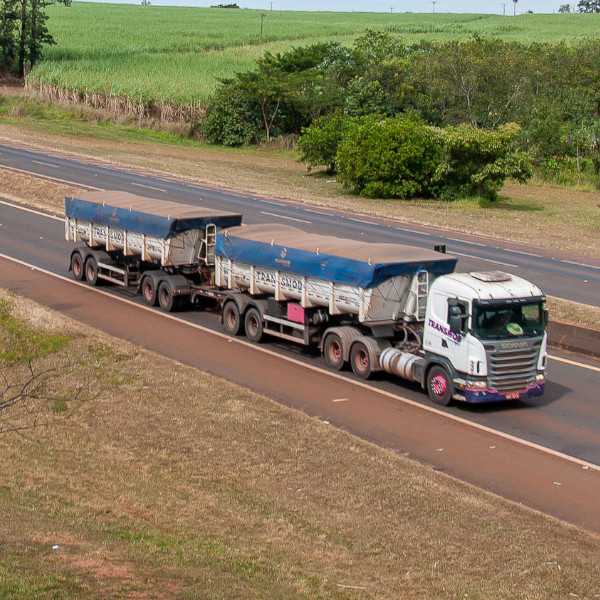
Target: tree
24, 33
564, 8
588, 6
478, 162
35, 376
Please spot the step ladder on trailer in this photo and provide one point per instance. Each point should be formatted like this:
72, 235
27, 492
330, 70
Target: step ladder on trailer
422, 293
207, 247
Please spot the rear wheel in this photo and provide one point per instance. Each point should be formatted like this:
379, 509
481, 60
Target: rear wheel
439, 386
232, 321
149, 291
334, 352
360, 360
166, 299
253, 325
77, 266
91, 270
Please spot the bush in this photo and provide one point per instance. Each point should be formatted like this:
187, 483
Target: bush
319, 143
389, 158
478, 162
231, 119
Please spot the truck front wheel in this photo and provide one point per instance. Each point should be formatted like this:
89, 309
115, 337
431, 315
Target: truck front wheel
334, 352
253, 325
360, 360
439, 386
232, 321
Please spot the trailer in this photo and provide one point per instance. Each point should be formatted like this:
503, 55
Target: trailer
373, 307
164, 249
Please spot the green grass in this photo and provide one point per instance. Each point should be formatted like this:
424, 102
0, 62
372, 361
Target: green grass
179, 54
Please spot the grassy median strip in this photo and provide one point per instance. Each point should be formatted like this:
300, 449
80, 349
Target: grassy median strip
165, 482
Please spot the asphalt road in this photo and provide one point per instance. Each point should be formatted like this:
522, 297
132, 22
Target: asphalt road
557, 273
549, 448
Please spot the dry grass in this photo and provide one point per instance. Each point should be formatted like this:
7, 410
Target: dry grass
174, 484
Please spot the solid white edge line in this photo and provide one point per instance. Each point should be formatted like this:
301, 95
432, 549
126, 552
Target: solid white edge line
32, 210
574, 363
257, 348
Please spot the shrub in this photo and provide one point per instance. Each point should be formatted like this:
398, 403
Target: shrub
231, 119
389, 158
319, 142
478, 162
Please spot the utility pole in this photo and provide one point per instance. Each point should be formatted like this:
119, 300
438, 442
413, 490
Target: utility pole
391, 9
433, 2
504, 10
262, 18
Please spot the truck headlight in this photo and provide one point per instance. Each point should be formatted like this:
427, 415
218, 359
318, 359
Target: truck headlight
480, 384
540, 378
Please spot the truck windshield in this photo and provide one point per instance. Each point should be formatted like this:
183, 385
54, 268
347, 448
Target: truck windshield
502, 321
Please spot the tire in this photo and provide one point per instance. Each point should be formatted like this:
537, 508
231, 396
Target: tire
77, 267
253, 325
91, 271
360, 360
166, 300
333, 352
439, 386
149, 291
232, 321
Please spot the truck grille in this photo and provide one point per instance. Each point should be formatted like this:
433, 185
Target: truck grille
512, 366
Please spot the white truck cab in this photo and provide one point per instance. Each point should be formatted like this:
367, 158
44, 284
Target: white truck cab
484, 337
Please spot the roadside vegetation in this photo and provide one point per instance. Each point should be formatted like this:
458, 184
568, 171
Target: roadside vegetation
169, 483
373, 97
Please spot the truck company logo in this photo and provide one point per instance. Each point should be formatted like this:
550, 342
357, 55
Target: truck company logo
455, 337
283, 253
286, 282
513, 345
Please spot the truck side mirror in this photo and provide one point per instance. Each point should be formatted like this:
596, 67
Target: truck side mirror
546, 316
455, 318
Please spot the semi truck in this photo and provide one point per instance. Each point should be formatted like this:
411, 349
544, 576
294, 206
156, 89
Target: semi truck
374, 307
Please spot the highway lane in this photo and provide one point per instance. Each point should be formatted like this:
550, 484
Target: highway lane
557, 273
566, 419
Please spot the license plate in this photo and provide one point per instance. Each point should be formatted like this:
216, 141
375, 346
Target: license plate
513, 396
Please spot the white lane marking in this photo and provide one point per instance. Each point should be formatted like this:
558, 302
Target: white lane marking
149, 187
363, 221
262, 212
332, 374
575, 363
465, 242
521, 252
578, 264
32, 210
45, 164
48, 178
341, 400
498, 262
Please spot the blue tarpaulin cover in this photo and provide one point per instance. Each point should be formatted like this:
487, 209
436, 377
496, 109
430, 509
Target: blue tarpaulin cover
160, 218
340, 260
